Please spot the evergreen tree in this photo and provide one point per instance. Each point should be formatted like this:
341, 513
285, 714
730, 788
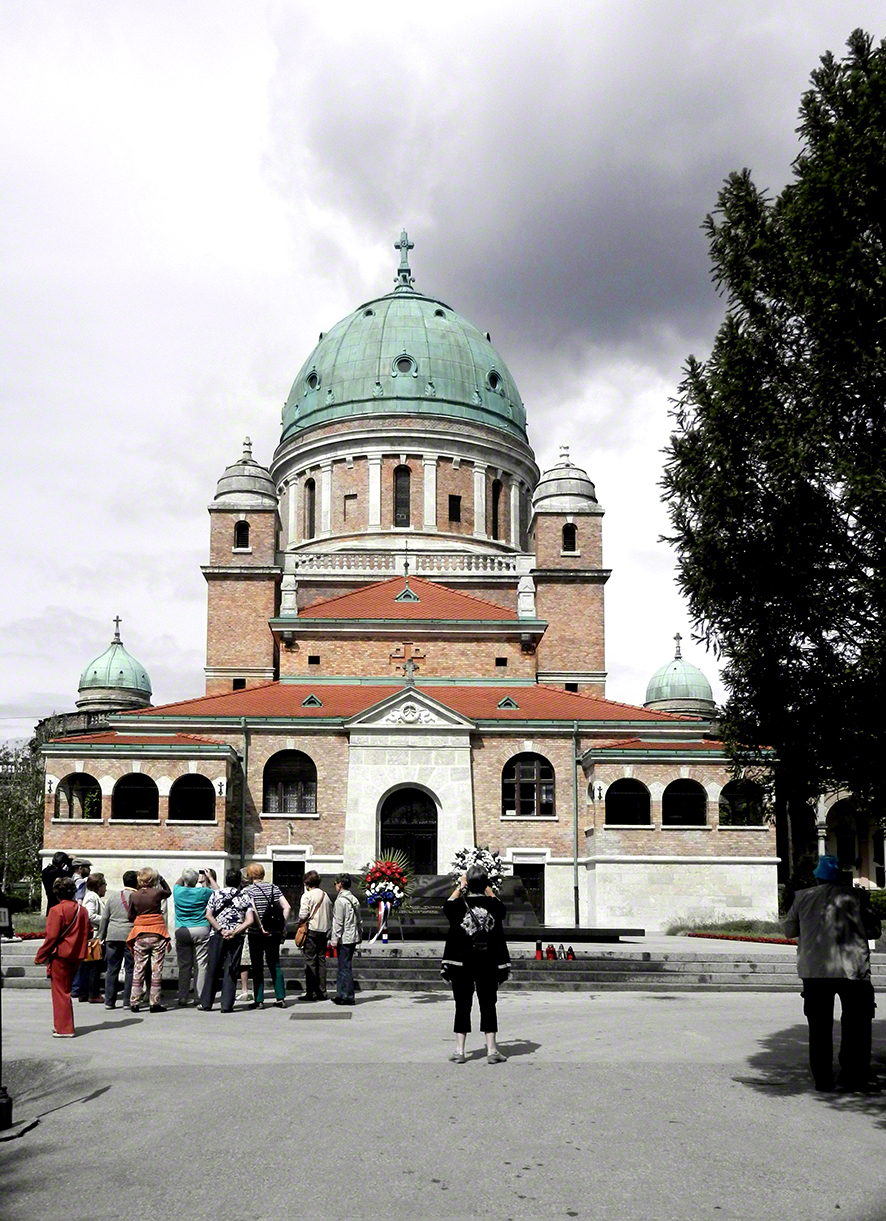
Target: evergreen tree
775, 475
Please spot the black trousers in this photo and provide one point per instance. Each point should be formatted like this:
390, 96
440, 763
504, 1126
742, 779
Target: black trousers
223, 959
856, 1015
314, 950
464, 982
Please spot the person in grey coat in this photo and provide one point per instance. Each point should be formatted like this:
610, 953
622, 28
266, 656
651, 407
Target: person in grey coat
346, 934
113, 931
833, 924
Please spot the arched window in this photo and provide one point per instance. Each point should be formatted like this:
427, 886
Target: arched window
192, 799
78, 796
627, 804
570, 540
241, 535
684, 803
843, 837
496, 503
310, 509
290, 784
741, 804
136, 797
402, 481
527, 787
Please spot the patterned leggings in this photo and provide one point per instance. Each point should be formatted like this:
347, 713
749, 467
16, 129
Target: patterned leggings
145, 944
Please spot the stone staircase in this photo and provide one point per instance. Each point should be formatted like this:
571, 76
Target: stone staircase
413, 968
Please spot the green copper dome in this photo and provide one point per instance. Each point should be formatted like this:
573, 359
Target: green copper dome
116, 669
404, 353
678, 680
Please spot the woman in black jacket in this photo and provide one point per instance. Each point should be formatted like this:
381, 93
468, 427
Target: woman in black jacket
475, 957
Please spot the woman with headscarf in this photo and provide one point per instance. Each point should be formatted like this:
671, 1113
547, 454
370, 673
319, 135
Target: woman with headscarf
63, 949
475, 957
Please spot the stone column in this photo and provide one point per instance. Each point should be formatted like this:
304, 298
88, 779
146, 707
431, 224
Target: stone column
292, 511
480, 499
325, 497
429, 463
374, 463
515, 514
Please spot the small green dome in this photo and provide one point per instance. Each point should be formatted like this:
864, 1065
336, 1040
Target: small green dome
678, 680
116, 669
404, 353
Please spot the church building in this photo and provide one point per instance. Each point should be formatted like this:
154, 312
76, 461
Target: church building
405, 650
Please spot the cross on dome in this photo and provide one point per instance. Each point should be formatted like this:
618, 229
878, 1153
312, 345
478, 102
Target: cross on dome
404, 280
678, 655
564, 455
247, 448
117, 621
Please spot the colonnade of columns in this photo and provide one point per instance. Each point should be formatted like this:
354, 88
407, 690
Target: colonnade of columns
321, 475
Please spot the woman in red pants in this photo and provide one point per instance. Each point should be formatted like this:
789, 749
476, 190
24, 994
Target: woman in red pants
64, 948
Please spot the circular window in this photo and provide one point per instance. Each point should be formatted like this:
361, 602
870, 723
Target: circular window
494, 380
438, 313
404, 365
368, 313
313, 380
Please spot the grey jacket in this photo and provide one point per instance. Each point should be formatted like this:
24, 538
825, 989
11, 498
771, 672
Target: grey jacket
346, 922
115, 923
833, 928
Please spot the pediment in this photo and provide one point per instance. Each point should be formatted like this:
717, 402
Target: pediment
409, 708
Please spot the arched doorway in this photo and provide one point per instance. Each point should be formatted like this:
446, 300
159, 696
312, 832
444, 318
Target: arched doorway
408, 823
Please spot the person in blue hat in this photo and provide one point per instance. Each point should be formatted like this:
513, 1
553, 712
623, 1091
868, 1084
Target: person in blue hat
833, 924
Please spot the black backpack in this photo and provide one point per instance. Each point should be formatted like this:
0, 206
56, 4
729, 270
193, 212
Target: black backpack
272, 922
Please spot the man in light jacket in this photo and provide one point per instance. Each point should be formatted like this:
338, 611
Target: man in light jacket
833, 924
346, 935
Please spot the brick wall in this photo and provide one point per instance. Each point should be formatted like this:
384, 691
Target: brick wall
372, 658
238, 610
452, 482
548, 541
325, 834
489, 756
263, 525
352, 483
574, 639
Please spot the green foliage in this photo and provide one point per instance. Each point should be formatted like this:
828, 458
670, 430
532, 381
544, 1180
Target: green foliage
775, 475
21, 811
749, 928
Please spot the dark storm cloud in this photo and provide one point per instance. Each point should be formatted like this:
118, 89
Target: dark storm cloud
554, 172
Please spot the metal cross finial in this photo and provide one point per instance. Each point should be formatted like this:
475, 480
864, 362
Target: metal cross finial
406, 561
564, 453
117, 622
247, 448
678, 655
409, 668
404, 275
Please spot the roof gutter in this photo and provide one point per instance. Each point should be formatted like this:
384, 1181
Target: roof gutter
245, 728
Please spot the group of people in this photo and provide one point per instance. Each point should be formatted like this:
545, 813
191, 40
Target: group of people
215, 924
214, 928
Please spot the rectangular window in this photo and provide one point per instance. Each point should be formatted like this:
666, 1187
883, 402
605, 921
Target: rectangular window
501, 661
239, 684
313, 659
455, 508
571, 687
350, 505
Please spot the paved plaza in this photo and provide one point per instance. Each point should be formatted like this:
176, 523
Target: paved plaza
611, 1105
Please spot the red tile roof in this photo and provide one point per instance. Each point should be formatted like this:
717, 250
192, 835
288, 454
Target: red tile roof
112, 738
535, 702
639, 744
379, 602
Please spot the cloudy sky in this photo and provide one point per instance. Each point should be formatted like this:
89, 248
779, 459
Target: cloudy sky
193, 189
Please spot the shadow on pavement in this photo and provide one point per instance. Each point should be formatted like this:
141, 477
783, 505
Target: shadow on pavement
782, 1068
368, 1000
517, 1047
431, 998
102, 1026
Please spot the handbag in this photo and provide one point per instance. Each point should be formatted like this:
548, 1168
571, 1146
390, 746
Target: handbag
95, 951
302, 931
272, 924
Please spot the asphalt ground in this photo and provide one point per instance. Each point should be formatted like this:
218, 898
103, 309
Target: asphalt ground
664, 1106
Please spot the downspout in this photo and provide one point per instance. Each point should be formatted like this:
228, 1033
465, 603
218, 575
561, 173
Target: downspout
575, 819
243, 792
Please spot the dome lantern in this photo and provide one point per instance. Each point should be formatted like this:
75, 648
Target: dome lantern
245, 485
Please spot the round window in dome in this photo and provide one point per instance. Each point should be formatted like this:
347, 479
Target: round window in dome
368, 313
493, 379
313, 380
405, 365
439, 313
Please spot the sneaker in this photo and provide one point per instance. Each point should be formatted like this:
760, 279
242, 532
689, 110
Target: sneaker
458, 1057
495, 1057
242, 996
158, 1008
280, 1004
56, 1035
